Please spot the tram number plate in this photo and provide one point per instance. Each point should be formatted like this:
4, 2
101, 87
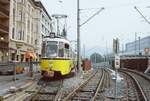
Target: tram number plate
51, 73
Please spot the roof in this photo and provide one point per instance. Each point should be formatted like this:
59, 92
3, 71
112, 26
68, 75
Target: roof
39, 4
57, 39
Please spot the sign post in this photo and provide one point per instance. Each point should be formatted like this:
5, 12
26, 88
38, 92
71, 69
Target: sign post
117, 66
117, 62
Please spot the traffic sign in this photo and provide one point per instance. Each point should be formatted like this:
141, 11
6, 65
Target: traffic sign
146, 50
116, 46
117, 62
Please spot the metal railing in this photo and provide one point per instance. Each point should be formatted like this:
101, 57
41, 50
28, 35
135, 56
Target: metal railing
19, 69
5, 28
3, 10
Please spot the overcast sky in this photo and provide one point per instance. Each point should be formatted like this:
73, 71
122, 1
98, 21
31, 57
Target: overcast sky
118, 19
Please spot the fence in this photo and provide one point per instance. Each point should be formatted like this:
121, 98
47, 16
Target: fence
18, 70
101, 65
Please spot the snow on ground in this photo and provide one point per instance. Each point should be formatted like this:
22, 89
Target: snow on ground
113, 74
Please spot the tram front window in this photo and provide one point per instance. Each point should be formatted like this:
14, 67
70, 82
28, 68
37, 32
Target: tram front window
61, 49
51, 50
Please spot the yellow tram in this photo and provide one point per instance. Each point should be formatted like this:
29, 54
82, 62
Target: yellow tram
57, 57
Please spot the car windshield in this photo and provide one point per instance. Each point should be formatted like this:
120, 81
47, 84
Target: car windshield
51, 50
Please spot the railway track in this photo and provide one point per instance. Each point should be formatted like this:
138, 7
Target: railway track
47, 91
138, 88
91, 89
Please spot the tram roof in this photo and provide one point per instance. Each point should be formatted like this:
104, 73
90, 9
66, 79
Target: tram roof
57, 40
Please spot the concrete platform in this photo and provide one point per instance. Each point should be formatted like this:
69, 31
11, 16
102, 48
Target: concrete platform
6, 83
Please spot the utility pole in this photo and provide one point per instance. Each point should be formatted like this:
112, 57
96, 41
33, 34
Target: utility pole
135, 42
78, 35
117, 63
139, 44
122, 48
84, 51
58, 32
78, 31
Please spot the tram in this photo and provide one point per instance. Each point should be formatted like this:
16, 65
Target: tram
57, 57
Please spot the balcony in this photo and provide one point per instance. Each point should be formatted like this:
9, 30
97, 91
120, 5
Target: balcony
4, 29
3, 12
4, 44
4, 1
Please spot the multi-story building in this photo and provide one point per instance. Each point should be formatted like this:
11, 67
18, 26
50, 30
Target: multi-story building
22, 36
4, 29
137, 47
29, 23
44, 24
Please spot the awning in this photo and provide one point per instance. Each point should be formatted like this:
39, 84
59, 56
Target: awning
34, 55
30, 55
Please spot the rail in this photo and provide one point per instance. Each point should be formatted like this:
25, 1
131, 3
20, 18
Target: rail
80, 86
138, 85
99, 85
98, 77
41, 91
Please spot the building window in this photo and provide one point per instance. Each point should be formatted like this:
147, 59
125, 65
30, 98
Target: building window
28, 38
43, 18
32, 28
20, 1
46, 22
28, 25
13, 56
43, 29
13, 16
19, 15
36, 27
22, 57
36, 42
29, 7
13, 33
22, 35
31, 40
19, 35
17, 57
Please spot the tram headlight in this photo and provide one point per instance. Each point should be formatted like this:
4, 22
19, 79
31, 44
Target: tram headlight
50, 65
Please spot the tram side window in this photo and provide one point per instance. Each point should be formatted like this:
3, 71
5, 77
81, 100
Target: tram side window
71, 53
66, 50
61, 50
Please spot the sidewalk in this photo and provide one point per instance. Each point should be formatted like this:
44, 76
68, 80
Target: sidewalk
19, 85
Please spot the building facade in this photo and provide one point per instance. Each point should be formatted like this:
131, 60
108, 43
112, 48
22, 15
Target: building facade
4, 29
22, 36
44, 24
29, 23
137, 47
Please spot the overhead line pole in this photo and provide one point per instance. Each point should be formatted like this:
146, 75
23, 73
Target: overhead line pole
78, 35
78, 31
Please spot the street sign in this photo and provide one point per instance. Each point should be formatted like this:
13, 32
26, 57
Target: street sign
117, 62
146, 50
115, 46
